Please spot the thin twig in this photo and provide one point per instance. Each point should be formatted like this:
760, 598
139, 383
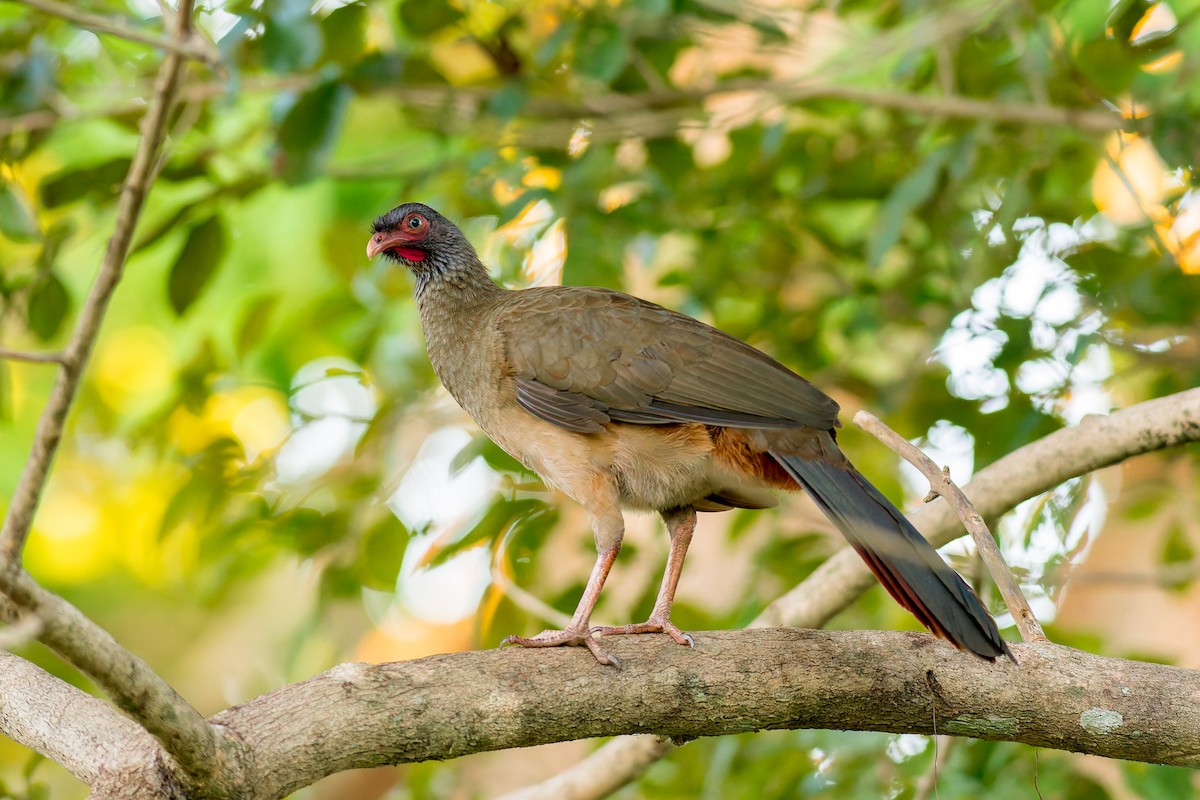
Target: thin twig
927, 786
32, 358
133, 193
628, 112
185, 734
941, 485
190, 45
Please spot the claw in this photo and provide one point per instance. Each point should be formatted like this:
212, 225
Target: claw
571, 637
653, 625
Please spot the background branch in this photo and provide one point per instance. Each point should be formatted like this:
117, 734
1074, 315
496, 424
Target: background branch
31, 358
188, 46
1027, 472
74, 358
185, 735
549, 121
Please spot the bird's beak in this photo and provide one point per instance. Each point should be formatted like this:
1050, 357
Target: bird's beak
383, 241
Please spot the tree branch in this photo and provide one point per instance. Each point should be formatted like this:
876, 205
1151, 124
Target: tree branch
80, 732
196, 747
549, 121
359, 715
941, 486
1098, 441
74, 358
190, 46
31, 358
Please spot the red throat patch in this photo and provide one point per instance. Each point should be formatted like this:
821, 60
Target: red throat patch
410, 253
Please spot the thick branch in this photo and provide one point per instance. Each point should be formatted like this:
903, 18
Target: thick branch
1027, 472
191, 46
358, 715
80, 732
194, 744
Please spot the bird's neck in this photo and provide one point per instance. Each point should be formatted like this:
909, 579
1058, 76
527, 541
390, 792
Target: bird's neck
455, 289
454, 302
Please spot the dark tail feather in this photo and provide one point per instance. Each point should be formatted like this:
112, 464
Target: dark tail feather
905, 563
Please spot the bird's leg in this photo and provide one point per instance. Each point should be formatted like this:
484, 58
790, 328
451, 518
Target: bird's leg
609, 529
681, 524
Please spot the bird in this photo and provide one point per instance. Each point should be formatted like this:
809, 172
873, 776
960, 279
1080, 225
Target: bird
620, 403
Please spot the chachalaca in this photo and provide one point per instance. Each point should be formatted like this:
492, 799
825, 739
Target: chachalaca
618, 402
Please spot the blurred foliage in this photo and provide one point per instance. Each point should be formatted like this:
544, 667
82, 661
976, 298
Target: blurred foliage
237, 498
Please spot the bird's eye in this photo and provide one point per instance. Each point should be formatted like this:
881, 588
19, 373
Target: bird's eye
415, 222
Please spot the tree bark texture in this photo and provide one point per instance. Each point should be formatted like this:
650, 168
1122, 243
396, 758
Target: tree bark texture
359, 715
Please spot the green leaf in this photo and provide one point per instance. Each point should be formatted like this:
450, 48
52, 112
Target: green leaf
30, 84
1177, 549
382, 552
48, 306
499, 516
254, 324
68, 185
421, 18
603, 53
345, 34
196, 263
906, 196
309, 130
17, 221
464, 457
307, 530
509, 100
292, 39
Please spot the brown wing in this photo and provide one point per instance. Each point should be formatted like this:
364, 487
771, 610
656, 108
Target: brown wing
583, 356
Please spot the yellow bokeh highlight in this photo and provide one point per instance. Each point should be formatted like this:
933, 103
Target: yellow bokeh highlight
133, 366
1132, 182
1133, 186
1180, 234
461, 60
504, 192
1167, 63
96, 518
254, 416
543, 178
69, 542
143, 549
1158, 19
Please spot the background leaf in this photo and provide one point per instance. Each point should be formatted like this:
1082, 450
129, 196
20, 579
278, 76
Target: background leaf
196, 263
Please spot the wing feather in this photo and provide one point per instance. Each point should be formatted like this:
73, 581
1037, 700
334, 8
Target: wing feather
583, 356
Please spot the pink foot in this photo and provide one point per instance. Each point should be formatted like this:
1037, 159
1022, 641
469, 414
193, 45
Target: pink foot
571, 637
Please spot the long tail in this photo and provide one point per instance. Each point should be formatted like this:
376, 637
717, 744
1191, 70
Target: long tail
905, 563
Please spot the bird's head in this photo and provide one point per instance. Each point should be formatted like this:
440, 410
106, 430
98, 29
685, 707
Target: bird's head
416, 236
